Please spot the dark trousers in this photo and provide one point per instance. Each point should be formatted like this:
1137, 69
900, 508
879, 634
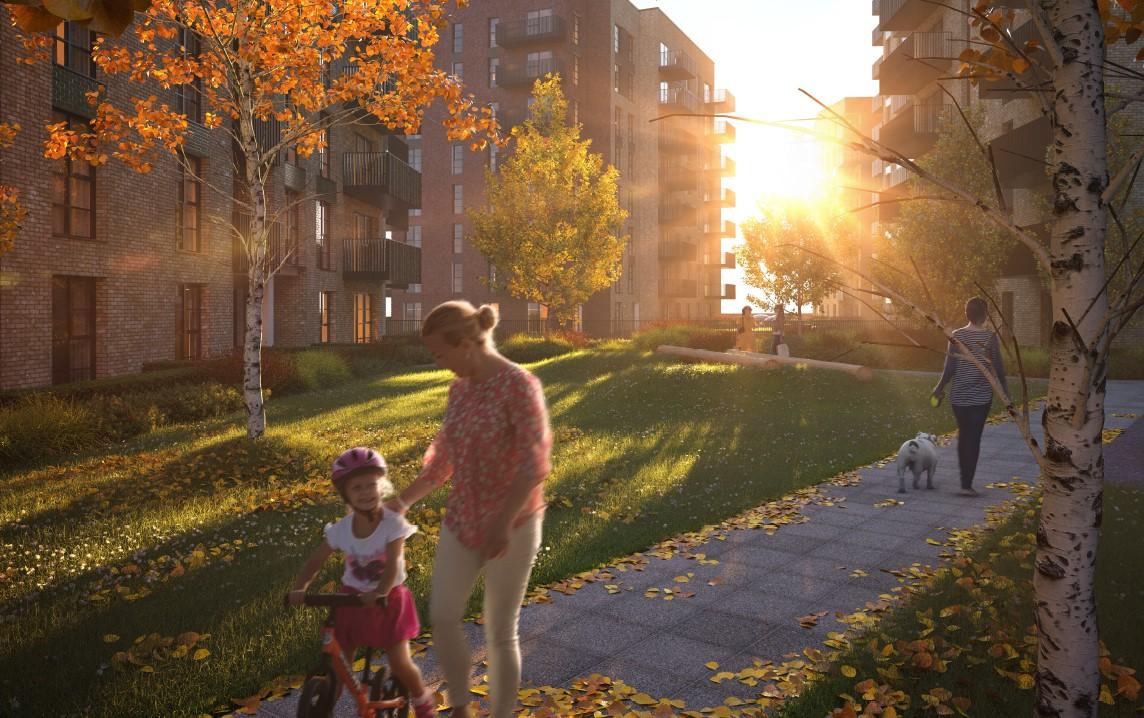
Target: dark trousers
970, 425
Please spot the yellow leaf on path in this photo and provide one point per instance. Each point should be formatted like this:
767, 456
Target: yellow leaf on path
147, 669
479, 690
200, 654
643, 699
712, 665
110, 638
933, 542
848, 671
1106, 695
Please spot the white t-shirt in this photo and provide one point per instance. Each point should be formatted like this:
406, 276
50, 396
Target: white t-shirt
365, 558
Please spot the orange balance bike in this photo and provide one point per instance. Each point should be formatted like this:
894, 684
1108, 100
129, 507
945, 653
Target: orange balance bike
377, 693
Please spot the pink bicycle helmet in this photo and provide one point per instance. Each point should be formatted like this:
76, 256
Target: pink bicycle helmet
355, 461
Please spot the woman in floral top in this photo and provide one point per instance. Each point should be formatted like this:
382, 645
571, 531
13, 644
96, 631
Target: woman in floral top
494, 446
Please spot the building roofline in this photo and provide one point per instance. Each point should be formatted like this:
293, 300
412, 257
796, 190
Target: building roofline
678, 28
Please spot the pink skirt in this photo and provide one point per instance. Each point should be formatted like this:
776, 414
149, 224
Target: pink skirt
377, 626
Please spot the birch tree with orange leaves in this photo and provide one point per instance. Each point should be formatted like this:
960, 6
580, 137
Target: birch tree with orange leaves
301, 68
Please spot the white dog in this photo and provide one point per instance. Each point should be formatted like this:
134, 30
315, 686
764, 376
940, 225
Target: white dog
917, 455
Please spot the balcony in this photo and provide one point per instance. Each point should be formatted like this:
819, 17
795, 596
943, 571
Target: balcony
721, 101
294, 177
381, 179
531, 31
676, 140
1019, 155
678, 174
901, 15
721, 132
385, 260
282, 252
877, 37
677, 99
719, 230
918, 60
676, 65
723, 197
913, 129
1006, 88
527, 73
678, 287
677, 214
719, 291
677, 250
722, 167
728, 261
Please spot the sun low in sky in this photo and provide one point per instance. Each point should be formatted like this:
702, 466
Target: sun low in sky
764, 51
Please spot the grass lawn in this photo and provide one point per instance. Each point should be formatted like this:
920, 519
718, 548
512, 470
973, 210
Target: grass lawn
979, 619
185, 539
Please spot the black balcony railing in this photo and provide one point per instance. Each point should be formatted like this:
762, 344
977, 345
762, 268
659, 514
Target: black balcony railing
721, 101
677, 214
677, 250
382, 179
723, 166
526, 73
531, 30
678, 287
381, 259
901, 15
913, 128
676, 64
721, 131
677, 98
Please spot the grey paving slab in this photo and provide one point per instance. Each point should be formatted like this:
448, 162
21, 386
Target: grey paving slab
602, 634
548, 662
729, 630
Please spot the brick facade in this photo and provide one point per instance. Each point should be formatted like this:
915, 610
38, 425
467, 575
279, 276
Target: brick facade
138, 269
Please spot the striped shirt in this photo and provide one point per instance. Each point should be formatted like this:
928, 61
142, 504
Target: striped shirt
970, 387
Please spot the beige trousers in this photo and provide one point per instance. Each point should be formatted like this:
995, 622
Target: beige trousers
455, 571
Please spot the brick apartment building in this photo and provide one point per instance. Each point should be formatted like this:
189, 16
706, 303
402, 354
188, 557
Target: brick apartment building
115, 269
621, 67
921, 41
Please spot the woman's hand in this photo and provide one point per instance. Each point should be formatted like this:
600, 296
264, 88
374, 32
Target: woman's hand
496, 542
396, 505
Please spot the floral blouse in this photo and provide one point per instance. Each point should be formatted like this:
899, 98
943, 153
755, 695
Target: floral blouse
494, 432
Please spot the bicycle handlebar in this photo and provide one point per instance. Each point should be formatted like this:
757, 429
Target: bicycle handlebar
336, 600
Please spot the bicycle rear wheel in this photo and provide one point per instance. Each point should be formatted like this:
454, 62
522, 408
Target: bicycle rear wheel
385, 687
318, 696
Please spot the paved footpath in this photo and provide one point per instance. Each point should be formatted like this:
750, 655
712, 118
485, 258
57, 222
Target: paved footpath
765, 582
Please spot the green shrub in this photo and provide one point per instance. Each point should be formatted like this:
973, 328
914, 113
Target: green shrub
191, 402
685, 335
318, 368
122, 417
525, 349
40, 427
278, 371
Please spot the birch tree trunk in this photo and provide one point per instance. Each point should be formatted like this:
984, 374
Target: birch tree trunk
257, 262
1068, 678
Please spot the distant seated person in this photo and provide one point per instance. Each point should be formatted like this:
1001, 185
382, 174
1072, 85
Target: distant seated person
778, 345
745, 336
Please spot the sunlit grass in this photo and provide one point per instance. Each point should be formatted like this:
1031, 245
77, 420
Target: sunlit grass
110, 543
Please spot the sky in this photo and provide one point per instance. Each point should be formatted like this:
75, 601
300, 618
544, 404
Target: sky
764, 51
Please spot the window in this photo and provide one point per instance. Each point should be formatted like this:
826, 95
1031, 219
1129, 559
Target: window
324, 153
616, 39
413, 311
458, 238
458, 159
190, 321
458, 38
494, 157
575, 112
493, 22
575, 29
325, 326
538, 21
494, 65
575, 70
73, 191
73, 48
458, 199
458, 277
616, 79
363, 318
413, 239
415, 158
188, 207
459, 70
189, 97
322, 235
73, 329
414, 288
415, 212
492, 283
539, 64
365, 226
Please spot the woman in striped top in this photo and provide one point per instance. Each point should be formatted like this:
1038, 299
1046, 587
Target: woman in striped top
971, 394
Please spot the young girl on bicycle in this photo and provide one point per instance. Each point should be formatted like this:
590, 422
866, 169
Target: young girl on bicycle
372, 541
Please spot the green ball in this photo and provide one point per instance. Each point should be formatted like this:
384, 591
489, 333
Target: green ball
933, 401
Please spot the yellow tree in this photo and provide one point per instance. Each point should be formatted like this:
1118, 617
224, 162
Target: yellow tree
274, 75
552, 222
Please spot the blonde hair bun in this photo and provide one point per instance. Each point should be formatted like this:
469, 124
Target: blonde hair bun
487, 317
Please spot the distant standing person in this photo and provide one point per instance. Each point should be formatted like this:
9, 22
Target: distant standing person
777, 332
745, 337
494, 447
971, 395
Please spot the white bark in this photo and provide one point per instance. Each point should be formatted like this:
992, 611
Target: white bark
1068, 678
